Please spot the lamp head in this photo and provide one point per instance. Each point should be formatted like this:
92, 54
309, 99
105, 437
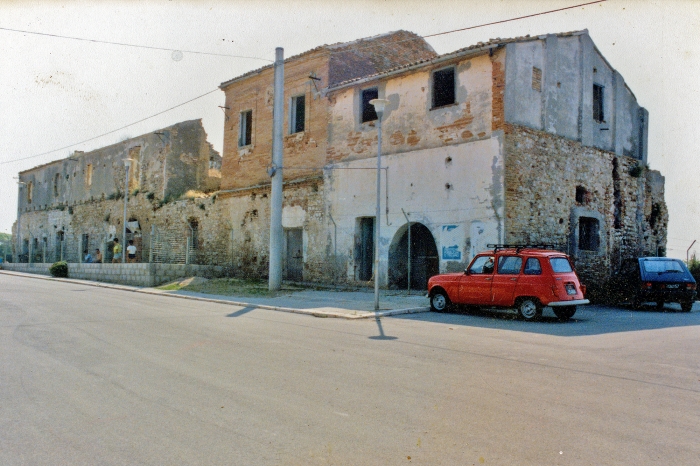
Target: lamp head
127, 163
379, 106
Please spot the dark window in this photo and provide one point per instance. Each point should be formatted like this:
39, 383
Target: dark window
598, 113
582, 195
298, 113
245, 129
588, 234
509, 265
368, 112
365, 250
443, 87
533, 267
56, 180
85, 239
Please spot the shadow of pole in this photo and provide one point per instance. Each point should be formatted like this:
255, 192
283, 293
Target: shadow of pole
241, 312
381, 335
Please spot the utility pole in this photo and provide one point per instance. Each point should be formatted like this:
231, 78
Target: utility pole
275, 172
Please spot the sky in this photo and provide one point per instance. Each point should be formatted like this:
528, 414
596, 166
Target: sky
58, 95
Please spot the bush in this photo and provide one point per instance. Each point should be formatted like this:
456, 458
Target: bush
694, 267
59, 269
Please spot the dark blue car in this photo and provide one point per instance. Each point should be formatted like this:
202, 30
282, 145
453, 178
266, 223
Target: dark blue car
656, 279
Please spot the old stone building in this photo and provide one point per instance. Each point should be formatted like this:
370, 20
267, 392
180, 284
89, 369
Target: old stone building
527, 140
73, 206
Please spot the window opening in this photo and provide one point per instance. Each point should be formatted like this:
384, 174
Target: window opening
582, 195
30, 192
85, 243
368, 111
56, 180
537, 79
482, 264
443, 87
298, 114
598, 114
88, 175
365, 254
588, 234
245, 129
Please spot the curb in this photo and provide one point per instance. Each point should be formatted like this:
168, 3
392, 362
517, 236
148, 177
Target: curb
357, 314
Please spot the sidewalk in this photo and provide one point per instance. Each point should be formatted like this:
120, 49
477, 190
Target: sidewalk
326, 303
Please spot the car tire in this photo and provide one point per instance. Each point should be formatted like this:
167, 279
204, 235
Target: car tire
659, 305
439, 301
529, 309
687, 306
564, 312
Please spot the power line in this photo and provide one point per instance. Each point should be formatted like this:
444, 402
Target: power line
110, 132
133, 45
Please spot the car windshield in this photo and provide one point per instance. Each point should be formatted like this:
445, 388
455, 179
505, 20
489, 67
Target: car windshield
560, 265
667, 266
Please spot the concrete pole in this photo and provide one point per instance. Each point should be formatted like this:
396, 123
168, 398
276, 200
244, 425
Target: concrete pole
127, 164
378, 214
276, 232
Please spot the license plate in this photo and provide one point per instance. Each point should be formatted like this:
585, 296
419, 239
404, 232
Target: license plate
670, 287
570, 289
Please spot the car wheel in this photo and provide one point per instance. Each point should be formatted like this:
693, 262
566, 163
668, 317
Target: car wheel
439, 301
659, 305
564, 312
529, 309
687, 306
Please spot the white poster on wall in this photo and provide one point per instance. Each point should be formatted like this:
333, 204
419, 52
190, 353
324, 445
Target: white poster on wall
450, 238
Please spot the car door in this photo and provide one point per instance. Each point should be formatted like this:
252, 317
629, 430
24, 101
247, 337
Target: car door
505, 280
475, 286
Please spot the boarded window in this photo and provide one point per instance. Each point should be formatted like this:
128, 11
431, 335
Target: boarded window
537, 79
245, 129
598, 113
30, 192
298, 114
444, 87
88, 175
588, 234
368, 111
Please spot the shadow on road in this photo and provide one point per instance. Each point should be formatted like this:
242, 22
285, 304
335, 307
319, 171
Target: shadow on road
241, 312
588, 320
381, 335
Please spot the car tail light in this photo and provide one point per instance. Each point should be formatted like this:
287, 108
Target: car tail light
690, 286
647, 285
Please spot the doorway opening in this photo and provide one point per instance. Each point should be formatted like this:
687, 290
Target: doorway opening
424, 258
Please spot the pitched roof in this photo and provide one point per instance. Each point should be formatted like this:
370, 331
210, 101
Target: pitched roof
362, 57
479, 46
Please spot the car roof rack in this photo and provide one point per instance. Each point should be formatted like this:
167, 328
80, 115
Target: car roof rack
520, 247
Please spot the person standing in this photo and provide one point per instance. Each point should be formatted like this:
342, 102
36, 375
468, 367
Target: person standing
131, 252
117, 250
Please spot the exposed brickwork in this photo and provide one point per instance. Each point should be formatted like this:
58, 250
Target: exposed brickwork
498, 76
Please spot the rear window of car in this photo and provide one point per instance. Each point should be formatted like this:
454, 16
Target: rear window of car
560, 265
662, 266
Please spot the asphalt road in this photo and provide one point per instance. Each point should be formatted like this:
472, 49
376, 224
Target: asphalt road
99, 376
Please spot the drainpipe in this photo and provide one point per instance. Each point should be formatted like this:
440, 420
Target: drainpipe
335, 247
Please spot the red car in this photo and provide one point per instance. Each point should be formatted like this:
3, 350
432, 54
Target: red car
523, 277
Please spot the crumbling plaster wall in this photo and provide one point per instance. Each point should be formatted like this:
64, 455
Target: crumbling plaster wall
563, 103
543, 172
410, 123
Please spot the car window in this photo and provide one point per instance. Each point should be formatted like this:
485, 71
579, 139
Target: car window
509, 265
482, 264
560, 265
533, 267
669, 266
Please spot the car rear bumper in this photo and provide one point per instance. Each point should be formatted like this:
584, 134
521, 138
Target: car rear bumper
667, 296
575, 302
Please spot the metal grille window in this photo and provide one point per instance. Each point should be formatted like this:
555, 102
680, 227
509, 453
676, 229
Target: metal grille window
245, 129
368, 111
444, 87
298, 114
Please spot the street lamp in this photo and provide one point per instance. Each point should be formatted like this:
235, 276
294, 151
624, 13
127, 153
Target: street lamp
127, 164
379, 105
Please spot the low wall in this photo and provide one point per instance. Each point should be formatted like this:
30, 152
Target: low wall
124, 274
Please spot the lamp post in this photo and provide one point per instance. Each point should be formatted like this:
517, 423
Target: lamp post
127, 164
379, 105
19, 219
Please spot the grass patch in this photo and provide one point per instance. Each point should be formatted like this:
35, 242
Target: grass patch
231, 287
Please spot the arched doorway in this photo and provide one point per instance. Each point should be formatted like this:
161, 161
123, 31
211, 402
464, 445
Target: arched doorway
424, 258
